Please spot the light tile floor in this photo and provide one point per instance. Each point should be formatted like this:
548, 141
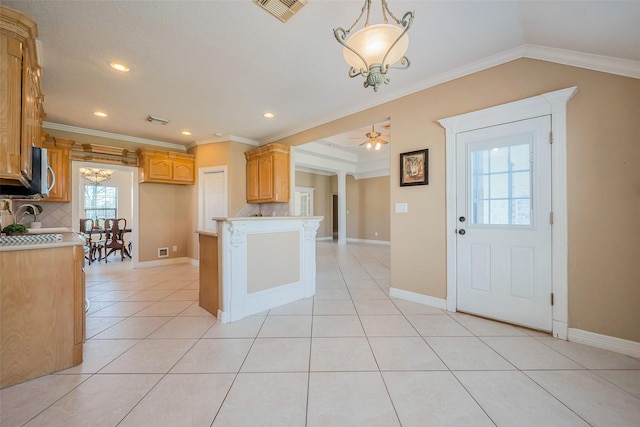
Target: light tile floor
350, 356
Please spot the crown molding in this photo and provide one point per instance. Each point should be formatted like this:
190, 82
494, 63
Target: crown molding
116, 136
606, 64
224, 138
372, 174
314, 171
589, 61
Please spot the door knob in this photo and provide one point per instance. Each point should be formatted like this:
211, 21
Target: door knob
462, 219
461, 231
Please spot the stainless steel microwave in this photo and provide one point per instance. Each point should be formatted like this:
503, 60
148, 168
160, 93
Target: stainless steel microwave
42, 178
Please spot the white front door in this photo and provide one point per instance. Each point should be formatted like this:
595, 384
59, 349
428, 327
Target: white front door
504, 228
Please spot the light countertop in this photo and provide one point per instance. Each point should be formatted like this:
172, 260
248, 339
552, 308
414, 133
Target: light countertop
267, 218
63, 239
212, 233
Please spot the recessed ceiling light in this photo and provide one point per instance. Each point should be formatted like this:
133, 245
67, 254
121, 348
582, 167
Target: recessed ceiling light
186, 132
268, 115
100, 114
119, 67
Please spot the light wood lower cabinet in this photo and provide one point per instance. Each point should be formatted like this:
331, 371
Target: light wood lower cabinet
209, 297
42, 312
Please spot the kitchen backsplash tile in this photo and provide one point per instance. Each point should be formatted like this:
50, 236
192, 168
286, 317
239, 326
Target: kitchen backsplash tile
54, 214
264, 209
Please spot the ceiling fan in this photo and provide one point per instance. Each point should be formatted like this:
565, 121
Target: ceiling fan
375, 140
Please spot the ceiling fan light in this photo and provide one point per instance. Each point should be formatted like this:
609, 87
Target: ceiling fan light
378, 146
369, 146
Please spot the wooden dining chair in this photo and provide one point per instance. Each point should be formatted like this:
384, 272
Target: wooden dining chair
86, 230
114, 239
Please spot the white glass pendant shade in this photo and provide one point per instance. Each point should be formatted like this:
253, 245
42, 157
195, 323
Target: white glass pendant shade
372, 43
378, 146
369, 146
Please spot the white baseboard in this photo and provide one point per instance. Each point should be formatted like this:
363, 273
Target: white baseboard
324, 238
163, 262
619, 345
373, 242
418, 298
559, 329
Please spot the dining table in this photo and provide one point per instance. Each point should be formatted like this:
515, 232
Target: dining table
100, 231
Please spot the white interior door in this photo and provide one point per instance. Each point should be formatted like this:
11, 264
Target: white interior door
214, 197
504, 225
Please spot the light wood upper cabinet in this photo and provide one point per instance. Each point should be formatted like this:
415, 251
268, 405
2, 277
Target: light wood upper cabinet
20, 96
58, 150
166, 167
253, 182
184, 170
268, 174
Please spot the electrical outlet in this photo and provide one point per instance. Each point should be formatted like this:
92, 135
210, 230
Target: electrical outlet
175, 248
375, 234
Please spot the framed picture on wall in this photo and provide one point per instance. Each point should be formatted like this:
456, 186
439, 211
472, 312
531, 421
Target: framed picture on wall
414, 168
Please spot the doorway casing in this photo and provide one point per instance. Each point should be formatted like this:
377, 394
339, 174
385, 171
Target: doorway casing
552, 104
77, 194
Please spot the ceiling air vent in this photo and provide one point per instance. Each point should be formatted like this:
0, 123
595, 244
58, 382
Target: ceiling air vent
281, 9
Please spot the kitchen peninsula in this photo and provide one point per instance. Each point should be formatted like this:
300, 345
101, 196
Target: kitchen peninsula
252, 264
42, 306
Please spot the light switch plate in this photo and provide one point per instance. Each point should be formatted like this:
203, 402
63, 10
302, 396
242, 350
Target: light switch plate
401, 208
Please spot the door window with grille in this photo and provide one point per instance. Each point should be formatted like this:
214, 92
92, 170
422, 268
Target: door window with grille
501, 185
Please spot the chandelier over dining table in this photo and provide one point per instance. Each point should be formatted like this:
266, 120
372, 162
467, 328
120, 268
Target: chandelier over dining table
374, 49
96, 176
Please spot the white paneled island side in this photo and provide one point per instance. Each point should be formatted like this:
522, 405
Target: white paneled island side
252, 264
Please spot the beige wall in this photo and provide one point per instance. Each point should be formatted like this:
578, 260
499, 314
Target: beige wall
322, 199
231, 155
603, 144
368, 208
163, 223
603, 134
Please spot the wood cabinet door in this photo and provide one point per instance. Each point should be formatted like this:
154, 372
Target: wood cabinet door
253, 181
11, 106
184, 171
265, 175
280, 177
159, 168
30, 116
59, 162
79, 304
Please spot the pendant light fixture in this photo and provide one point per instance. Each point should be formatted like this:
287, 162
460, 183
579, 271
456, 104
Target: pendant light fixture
374, 49
96, 176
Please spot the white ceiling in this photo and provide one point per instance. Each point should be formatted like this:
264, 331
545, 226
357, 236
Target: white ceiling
214, 67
